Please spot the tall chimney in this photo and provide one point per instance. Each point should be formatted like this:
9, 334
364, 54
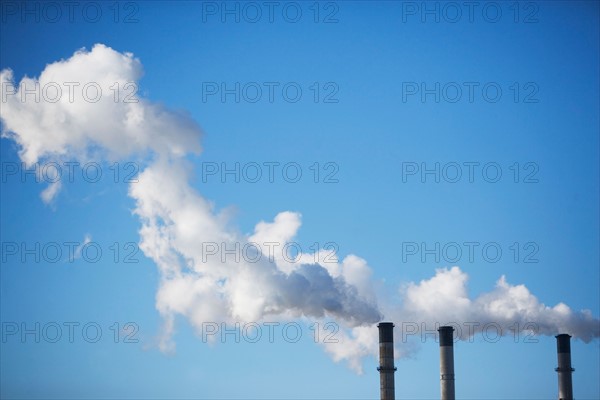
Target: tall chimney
386, 361
565, 383
447, 362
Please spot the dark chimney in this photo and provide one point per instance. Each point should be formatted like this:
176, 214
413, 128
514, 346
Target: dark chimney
386, 360
446, 362
565, 383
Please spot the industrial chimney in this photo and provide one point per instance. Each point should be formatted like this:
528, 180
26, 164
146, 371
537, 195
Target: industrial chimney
565, 383
386, 361
447, 362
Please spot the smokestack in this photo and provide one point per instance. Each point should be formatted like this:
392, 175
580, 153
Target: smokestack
447, 362
386, 361
565, 384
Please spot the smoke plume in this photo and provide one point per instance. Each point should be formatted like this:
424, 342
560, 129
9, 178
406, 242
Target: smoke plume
180, 229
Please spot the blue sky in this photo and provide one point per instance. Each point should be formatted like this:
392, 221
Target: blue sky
363, 59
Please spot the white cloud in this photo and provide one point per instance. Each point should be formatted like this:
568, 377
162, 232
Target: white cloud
50, 192
72, 127
86, 239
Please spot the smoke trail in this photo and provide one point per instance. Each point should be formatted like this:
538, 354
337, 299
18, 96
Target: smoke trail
444, 299
178, 224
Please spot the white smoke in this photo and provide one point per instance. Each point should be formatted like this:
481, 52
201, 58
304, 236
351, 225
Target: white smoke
443, 299
178, 224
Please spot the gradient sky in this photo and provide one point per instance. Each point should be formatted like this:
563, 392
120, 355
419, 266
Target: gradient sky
367, 53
